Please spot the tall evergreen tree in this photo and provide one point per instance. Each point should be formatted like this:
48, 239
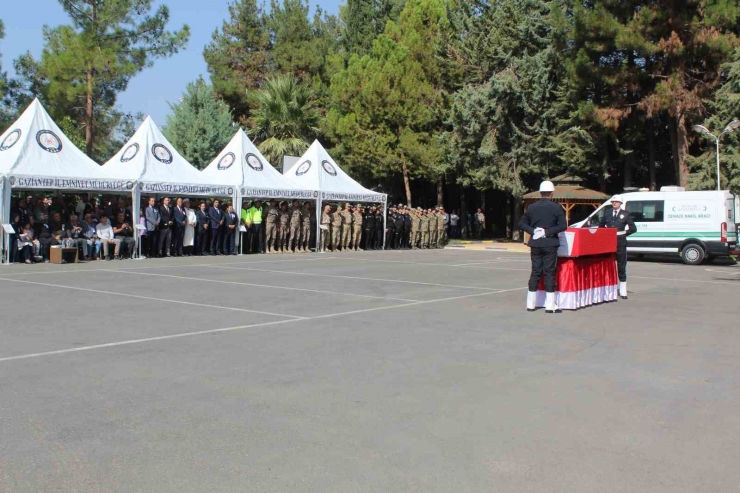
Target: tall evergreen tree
363, 21
200, 124
239, 56
86, 65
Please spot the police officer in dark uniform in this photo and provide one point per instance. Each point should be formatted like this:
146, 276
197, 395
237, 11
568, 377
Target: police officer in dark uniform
368, 223
379, 233
400, 227
390, 224
543, 221
406, 229
622, 221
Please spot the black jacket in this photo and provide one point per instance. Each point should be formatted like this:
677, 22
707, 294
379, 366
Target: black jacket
202, 219
180, 217
216, 215
165, 217
620, 223
230, 218
544, 214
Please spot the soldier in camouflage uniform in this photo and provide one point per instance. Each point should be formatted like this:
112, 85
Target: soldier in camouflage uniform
325, 228
432, 228
296, 219
415, 228
425, 220
306, 227
440, 227
271, 231
284, 228
356, 228
336, 229
346, 226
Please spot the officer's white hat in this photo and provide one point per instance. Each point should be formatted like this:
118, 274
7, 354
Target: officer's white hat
547, 186
617, 198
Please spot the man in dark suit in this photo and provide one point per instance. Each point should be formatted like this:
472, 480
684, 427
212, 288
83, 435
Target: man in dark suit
622, 221
544, 220
216, 216
151, 215
165, 228
180, 221
201, 230
231, 223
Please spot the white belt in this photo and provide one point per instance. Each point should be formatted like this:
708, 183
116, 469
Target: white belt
621, 233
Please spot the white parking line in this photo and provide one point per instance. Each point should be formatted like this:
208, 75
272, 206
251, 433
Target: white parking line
240, 327
268, 286
485, 288
189, 303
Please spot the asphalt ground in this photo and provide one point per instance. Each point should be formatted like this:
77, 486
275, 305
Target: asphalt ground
363, 372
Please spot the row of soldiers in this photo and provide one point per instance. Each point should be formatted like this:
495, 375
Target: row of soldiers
413, 229
288, 229
342, 228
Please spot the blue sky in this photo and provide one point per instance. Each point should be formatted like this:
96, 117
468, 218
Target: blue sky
151, 90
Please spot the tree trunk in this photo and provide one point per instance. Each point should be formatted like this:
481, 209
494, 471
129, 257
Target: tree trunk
89, 113
440, 191
682, 139
672, 130
628, 165
406, 182
651, 156
603, 170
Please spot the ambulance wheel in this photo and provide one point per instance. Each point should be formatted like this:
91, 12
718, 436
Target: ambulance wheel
692, 254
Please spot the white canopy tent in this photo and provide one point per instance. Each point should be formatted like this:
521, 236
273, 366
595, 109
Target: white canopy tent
316, 170
241, 164
36, 155
150, 160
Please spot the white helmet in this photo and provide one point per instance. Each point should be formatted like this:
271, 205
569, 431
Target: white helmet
547, 186
617, 198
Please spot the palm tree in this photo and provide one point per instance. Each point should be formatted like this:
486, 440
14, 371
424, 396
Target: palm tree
285, 118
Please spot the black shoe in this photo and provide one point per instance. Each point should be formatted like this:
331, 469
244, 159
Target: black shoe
554, 311
624, 297
531, 309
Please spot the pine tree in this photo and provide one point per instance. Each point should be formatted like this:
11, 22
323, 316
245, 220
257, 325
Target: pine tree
239, 56
200, 124
86, 65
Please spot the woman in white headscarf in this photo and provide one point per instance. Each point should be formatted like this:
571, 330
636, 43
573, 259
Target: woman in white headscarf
189, 239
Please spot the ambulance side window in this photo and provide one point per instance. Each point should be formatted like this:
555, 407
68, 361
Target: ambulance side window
646, 211
596, 218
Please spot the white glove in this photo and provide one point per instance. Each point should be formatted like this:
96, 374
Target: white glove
538, 233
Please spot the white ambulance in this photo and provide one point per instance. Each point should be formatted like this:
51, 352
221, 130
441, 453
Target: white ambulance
698, 226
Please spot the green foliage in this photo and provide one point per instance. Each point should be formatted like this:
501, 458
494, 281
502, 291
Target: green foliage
363, 21
73, 132
285, 118
84, 66
200, 124
253, 46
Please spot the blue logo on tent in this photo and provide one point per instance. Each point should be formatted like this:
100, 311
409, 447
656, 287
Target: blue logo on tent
10, 139
130, 153
162, 154
226, 161
329, 168
254, 162
49, 141
303, 168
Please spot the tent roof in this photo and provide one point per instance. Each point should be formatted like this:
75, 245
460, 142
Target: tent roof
152, 161
34, 153
243, 165
316, 170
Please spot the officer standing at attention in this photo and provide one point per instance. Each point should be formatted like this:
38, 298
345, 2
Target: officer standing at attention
543, 220
357, 218
390, 233
369, 223
271, 233
424, 229
440, 227
284, 227
325, 227
407, 227
622, 221
306, 228
346, 226
296, 220
400, 228
415, 228
336, 228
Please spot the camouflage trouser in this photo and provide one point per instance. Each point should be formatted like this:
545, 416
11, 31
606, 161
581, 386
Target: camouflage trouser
432, 237
295, 237
325, 239
414, 239
283, 241
306, 236
440, 237
270, 235
425, 239
336, 237
356, 237
346, 233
